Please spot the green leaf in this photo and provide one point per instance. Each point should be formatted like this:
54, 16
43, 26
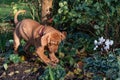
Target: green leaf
65, 2
5, 65
11, 41
61, 4
60, 11
108, 2
97, 5
113, 10
15, 58
51, 74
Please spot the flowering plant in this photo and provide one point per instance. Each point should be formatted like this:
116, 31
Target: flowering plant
103, 45
102, 67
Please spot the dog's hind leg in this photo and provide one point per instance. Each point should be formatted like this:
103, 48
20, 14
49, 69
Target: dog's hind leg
27, 46
16, 42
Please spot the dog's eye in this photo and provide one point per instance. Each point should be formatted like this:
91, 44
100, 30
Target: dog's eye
49, 44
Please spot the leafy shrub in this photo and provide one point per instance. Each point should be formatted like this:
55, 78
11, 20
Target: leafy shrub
50, 73
103, 63
9, 55
15, 58
104, 66
76, 41
8, 1
102, 16
35, 9
5, 35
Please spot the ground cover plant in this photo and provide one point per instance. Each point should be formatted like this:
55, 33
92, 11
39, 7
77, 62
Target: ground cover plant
91, 50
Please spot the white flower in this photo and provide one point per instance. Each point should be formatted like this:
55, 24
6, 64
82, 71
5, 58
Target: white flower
107, 42
103, 44
95, 42
111, 42
107, 47
101, 40
95, 47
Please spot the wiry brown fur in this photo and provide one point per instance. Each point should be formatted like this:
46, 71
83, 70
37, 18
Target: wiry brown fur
31, 31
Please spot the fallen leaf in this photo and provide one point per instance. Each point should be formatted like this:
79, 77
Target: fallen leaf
89, 74
35, 69
77, 71
27, 71
3, 74
11, 73
69, 75
23, 58
17, 72
80, 64
5, 66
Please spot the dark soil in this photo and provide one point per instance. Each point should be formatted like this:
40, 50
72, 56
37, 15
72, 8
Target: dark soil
26, 70
23, 71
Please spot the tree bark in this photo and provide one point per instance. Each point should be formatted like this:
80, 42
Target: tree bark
46, 10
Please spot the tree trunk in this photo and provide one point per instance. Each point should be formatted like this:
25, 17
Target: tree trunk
46, 11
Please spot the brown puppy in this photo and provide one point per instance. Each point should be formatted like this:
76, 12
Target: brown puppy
42, 37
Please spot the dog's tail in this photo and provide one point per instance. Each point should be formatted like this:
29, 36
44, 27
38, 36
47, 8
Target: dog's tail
16, 15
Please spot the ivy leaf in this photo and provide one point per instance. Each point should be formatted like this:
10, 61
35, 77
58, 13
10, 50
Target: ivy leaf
112, 9
61, 4
60, 11
15, 58
108, 2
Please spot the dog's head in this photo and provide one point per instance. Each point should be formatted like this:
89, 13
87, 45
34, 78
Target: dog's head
52, 40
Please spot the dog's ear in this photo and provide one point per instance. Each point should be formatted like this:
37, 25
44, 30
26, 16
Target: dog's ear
63, 35
45, 40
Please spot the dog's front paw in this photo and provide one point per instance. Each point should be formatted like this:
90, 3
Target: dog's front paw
51, 64
55, 60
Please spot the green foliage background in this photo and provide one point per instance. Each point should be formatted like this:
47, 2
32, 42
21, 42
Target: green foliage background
102, 16
84, 21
